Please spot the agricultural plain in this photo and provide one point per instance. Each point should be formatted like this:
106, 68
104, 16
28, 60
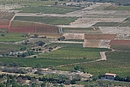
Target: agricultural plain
47, 33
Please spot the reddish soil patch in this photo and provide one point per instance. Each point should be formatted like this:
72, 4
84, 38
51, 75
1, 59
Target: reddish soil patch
4, 23
100, 36
29, 27
120, 42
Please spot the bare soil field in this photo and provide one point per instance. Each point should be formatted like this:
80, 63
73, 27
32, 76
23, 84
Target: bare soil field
9, 7
88, 16
115, 30
74, 35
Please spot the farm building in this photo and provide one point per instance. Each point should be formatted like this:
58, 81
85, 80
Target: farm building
98, 40
110, 76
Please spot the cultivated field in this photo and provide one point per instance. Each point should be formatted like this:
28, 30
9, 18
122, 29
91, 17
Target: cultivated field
117, 62
31, 27
73, 51
48, 9
115, 30
12, 37
44, 62
8, 47
6, 15
48, 20
82, 30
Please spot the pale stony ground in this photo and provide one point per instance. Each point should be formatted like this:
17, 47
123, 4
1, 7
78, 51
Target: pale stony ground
87, 16
115, 30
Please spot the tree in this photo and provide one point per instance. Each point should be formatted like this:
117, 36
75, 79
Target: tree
40, 43
61, 38
2, 85
38, 65
22, 48
23, 55
76, 68
15, 84
2, 35
34, 85
56, 3
35, 35
43, 84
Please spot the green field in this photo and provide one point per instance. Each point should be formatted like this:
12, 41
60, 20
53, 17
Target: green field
31, 2
44, 62
117, 62
17, 23
6, 48
12, 37
81, 30
106, 83
121, 47
48, 20
74, 51
77, 29
123, 8
42, 3
48, 9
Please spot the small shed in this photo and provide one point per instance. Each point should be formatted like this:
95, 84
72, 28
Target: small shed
110, 76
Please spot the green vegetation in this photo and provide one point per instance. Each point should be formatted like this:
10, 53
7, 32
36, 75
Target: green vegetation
49, 20
77, 29
17, 23
74, 51
49, 9
81, 30
120, 47
42, 3
44, 62
105, 83
123, 8
12, 37
5, 48
117, 62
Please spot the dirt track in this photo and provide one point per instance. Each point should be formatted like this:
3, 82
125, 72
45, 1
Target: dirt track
87, 16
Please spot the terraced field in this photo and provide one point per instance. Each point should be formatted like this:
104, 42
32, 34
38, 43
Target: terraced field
6, 48
48, 20
6, 15
44, 62
4, 24
49, 9
117, 62
30, 27
73, 51
12, 37
82, 30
